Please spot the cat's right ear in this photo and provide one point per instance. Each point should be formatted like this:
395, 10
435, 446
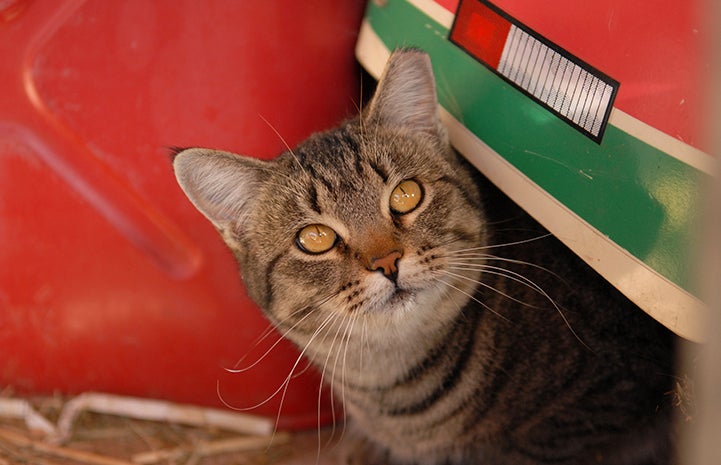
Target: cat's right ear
221, 185
406, 94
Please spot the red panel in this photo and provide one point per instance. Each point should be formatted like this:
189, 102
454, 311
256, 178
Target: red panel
109, 279
481, 31
655, 49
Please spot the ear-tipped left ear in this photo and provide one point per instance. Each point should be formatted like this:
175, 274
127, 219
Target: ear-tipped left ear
221, 185
406, 94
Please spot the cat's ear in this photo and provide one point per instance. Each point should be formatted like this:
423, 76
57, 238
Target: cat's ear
221, 185
406, 94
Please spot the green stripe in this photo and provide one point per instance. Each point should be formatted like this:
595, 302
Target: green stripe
640, 197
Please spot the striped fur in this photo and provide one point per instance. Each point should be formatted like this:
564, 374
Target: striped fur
492, 344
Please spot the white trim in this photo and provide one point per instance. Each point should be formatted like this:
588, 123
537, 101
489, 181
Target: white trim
435, 11
672, 306
370, 50
660, 140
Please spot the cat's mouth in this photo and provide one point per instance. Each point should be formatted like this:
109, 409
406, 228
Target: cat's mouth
400, 295
397, 299
385, 296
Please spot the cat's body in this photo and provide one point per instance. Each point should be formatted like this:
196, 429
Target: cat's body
448, 335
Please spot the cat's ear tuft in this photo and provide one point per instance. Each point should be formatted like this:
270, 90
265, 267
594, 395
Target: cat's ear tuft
221, 185
174, 151
406, 94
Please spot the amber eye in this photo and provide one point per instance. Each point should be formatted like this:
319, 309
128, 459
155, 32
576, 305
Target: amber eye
316, 238
406, 197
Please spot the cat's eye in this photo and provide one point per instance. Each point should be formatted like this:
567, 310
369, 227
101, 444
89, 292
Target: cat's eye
406, 197
316, 239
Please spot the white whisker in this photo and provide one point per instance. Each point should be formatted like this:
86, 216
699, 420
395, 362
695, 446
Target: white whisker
507, 244
472, 297
329, 352
532, 285
267, 332
284, 384
275, 344
488, 257
275, 326
331, 316
486, 285
290, 150
498, 271
350, 329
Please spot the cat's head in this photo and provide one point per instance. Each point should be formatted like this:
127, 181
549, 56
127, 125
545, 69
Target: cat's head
363, 219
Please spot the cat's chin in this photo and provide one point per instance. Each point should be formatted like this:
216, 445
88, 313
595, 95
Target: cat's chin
401, 298
397, 300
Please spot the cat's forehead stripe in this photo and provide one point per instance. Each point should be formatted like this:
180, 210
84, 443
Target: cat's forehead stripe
313, 199
380, 171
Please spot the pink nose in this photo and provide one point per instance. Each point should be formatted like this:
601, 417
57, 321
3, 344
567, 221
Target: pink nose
389, 264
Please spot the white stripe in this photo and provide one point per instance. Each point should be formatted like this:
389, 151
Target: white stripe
434, 11
370, 50
663, 142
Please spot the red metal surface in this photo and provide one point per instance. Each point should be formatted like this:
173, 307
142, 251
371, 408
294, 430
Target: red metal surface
657, 50
109, 279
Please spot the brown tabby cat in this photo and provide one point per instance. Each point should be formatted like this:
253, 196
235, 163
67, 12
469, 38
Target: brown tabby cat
451, 335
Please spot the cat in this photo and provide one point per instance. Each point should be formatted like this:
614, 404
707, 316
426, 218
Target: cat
453, 328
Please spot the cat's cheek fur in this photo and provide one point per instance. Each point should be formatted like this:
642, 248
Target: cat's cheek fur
314, 281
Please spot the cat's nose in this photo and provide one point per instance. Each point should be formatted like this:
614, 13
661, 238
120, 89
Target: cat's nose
388, 264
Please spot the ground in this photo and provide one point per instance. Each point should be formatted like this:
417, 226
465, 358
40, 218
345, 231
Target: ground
103, 439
